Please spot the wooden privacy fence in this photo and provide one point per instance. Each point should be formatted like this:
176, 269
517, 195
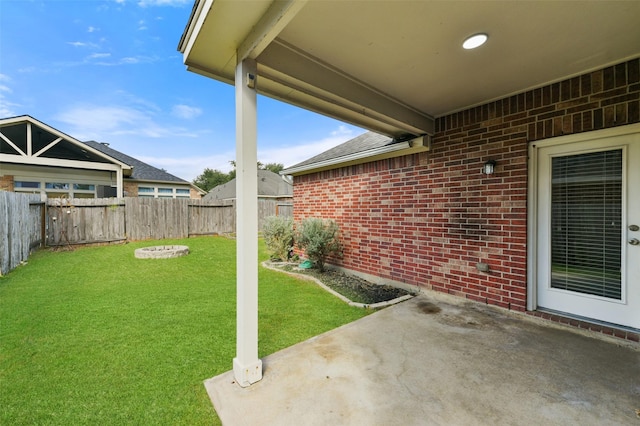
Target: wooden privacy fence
104, 220
21, 219
26, 221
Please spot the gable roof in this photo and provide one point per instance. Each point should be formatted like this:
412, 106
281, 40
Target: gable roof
367, 147
141, 170
269, 185
364, 142
25, 140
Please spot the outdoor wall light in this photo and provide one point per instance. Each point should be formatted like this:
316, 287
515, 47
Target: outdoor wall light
489, 167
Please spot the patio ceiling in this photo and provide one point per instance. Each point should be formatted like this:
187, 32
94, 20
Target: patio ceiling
392, 66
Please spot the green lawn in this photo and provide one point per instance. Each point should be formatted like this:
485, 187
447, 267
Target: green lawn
96, 336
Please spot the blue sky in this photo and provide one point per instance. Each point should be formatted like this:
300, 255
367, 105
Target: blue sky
109, 70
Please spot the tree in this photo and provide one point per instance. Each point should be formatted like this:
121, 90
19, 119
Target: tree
273, 167
211, 178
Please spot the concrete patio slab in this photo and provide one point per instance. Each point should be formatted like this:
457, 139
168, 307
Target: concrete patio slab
440, 360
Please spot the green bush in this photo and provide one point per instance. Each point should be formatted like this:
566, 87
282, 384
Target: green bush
277, 232
319, 239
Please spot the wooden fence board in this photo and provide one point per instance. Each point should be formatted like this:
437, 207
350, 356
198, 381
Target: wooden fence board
85, 220
156, 218
18, 232
211, 217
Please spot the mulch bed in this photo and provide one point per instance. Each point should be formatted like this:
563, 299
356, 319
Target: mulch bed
353, 288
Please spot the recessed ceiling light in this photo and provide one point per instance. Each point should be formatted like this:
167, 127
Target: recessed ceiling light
474, 41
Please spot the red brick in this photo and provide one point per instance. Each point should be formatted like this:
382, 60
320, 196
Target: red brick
427, 219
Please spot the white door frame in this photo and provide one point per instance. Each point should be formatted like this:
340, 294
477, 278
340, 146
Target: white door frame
532, 197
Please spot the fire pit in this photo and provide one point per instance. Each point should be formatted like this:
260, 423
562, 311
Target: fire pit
161, 252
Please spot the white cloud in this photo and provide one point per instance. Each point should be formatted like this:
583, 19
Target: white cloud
27, 70
104, 122
188, 168
299, 151
7, 108
186, 111
91, 29
130, 60
82, 44
99, 55
112, 62
96, 122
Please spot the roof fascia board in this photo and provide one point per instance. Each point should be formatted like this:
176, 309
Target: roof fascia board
413, 146
284, 62
196, 21
206, 72
165, 182
57, 162
277, 17
74, 141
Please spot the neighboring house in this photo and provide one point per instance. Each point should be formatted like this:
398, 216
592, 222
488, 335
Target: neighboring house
270, 186
552, 100
36, 158
275, 195
148, 181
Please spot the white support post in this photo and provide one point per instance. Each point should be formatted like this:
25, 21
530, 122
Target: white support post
247, 367
29, 140
119, 183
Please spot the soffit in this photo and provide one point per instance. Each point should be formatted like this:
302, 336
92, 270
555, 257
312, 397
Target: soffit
391, 66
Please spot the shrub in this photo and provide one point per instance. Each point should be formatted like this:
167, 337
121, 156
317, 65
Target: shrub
277, 232
319, 239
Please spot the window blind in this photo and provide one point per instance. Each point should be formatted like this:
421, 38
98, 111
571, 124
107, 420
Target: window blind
586, 223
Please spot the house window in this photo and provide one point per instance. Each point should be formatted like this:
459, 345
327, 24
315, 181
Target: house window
57, 189
56, 185
83, 187
26, 184
163, 192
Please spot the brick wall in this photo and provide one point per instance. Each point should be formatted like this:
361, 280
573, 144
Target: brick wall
6, 183
194, 194
428, 219
130, 189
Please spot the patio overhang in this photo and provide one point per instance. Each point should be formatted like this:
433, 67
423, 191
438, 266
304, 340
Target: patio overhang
393, 66
387, 66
